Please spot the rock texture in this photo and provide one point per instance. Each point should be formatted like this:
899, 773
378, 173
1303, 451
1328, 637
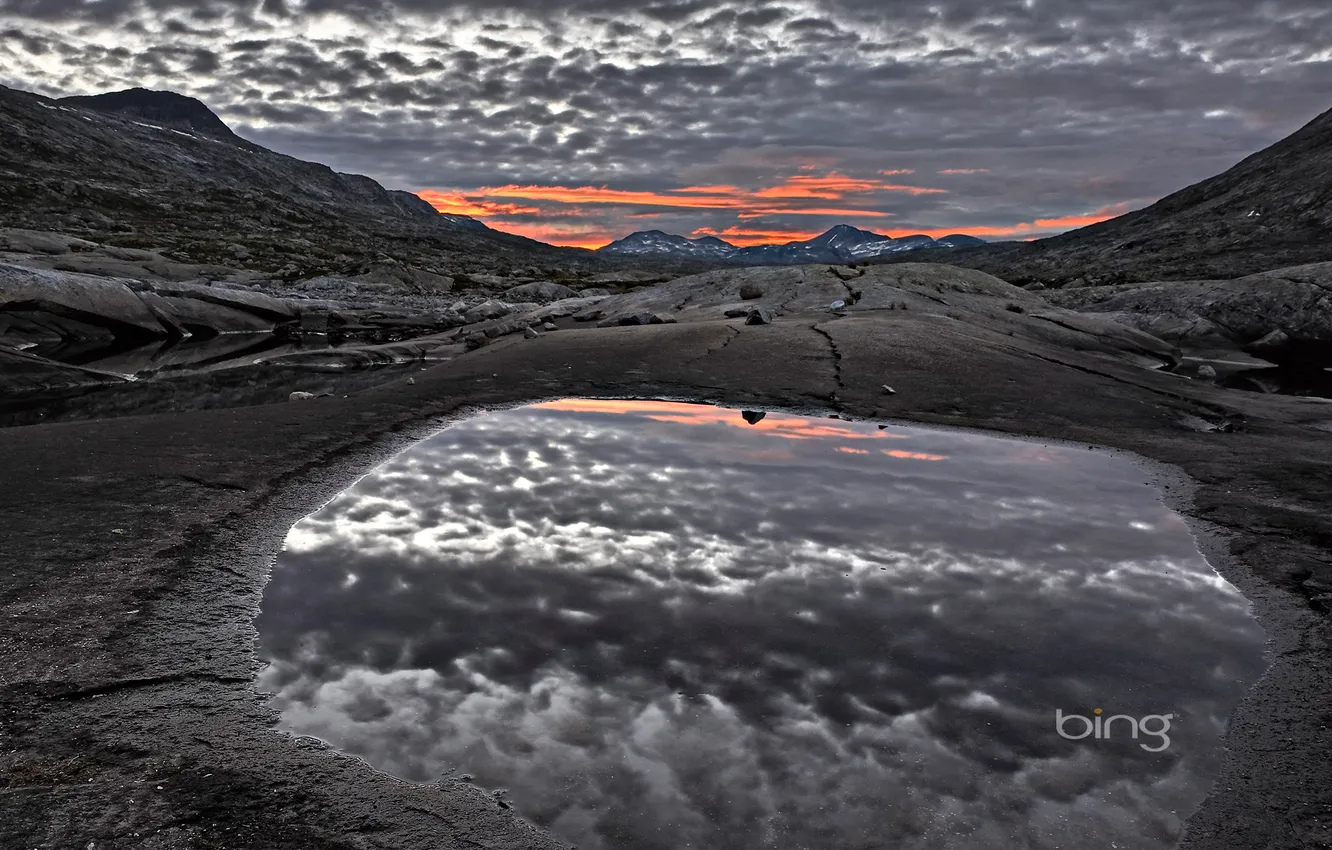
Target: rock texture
1272, 210
1282, 316
159, 171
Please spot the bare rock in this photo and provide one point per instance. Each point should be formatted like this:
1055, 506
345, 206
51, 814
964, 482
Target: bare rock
542, 291
759, 316
751, 292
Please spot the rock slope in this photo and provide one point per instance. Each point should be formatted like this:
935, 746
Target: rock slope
153, 170
1272, 210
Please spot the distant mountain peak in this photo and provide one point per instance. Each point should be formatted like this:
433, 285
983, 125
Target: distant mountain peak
839, 244
165, 108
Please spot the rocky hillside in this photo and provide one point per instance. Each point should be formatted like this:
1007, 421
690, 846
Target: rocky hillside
1270, 211
155, 170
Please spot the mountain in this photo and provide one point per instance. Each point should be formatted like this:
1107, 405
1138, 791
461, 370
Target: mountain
841, 244
143, 169
655, 243
1272, 210
162, 108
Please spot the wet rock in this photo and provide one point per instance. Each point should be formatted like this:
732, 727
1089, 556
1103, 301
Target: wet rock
21, 372
751, 292
760, 316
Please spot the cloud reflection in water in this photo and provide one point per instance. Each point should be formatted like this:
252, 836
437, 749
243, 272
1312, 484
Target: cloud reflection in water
660, 626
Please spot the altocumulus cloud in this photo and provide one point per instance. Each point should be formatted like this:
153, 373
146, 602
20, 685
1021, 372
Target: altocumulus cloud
649, 620
1024, 116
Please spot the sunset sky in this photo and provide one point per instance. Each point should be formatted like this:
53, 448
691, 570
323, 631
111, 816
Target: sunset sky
580, 121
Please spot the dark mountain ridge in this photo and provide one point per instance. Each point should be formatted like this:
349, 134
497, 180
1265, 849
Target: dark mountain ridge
158, 170
1271, 210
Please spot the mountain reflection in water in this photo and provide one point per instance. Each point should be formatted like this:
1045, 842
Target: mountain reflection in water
666, 626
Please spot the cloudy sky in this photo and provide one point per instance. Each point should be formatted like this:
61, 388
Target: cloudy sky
580, 121
658, 626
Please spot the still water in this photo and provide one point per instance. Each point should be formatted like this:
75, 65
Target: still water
662, 625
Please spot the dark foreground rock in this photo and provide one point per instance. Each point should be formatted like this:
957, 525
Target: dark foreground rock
128, 706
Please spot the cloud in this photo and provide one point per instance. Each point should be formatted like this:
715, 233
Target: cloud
646, 618
1053, 107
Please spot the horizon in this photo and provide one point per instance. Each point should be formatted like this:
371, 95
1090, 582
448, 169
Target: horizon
579, 122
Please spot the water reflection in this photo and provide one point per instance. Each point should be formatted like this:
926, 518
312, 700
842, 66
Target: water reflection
668, 626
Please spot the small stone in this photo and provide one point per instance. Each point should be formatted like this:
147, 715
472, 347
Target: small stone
530, 333
751, 292
736, 312
753, 417
837, 305
759, 316
661, 319
411, 381
889, 390
300, 396
1206, 373
1035, 286
475, 340
549, 326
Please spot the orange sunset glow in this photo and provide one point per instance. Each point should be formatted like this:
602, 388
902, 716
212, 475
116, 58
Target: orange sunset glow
774, 424
583, 216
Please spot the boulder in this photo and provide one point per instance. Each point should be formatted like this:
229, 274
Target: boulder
485, 311
206, 318
541, 291
759, 316
751, 292
88, 301
274, 310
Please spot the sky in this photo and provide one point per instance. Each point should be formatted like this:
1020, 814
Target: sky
648, 619
577, 122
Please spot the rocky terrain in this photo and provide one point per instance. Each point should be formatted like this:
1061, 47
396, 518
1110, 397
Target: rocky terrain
1272, 210
157, 171
839, 244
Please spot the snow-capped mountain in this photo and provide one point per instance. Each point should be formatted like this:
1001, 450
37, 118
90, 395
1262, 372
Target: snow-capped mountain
841, 244
658, 244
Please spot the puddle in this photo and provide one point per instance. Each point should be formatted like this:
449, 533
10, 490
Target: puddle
660, 625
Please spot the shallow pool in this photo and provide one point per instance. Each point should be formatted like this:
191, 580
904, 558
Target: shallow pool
659, 625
